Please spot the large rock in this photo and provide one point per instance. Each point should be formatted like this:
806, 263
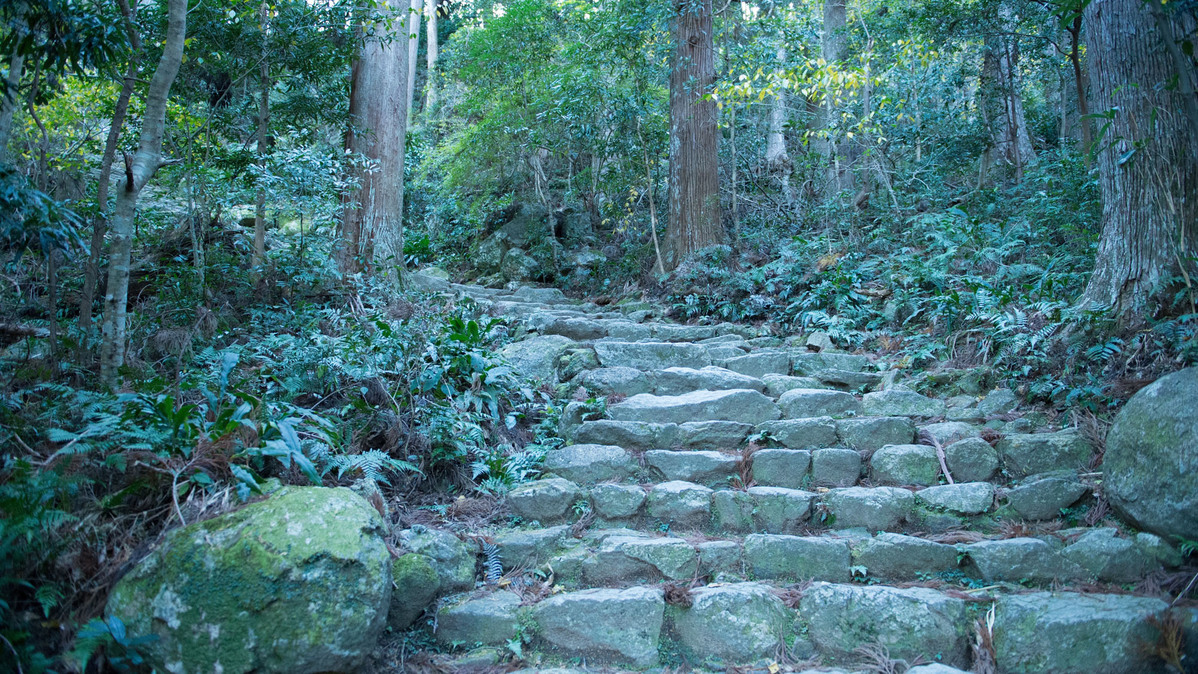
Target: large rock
626, 381
518, 265
415, 586
300, 582
901, 403
781, 467
529, 547
797, 557
909, 623
740, 622
679, 380
681, 504
709, 468
452, 561
590, 463
892, 556
835, 467
742, 405
801, 403
487, 620
962, 498
905, 464
1151, 462
651, 355
634, 559
1111, 558
875, 433
1020, 559
605, 625
1069, 633
1028, 454
760, 363
871, 508
971, 460
814, 433
1043, 498
617, 501
546, 501
536, 357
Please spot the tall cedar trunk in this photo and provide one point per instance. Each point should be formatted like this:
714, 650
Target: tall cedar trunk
413, 47
8, 99
431, 47
777, 160
833, 46
694, 220
1009, 138
91, 271
1149, 173
145, 163
263, 131
372, 220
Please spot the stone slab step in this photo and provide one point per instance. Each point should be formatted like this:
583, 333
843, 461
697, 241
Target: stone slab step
747, 622
740, 405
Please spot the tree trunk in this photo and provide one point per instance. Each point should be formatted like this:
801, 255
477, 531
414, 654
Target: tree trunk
372, 220
777, 160
263, 131
694, 220
833, 46
1079, 83
1149, 171
431, 47
8, 99
1010, 141
137, 173
413, 47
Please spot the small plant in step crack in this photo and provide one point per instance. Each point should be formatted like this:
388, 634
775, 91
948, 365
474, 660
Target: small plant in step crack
985, 658
1170, 644
678, 594
124, 653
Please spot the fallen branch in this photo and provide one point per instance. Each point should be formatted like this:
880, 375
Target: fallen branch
21, 330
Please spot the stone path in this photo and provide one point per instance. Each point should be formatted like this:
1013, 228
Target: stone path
740, 500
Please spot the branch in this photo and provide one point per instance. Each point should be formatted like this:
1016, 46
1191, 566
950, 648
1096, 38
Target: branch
21, 330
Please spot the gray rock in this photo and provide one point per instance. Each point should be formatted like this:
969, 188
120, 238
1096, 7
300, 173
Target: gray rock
963, 498
1028, 454
574, 362
428, 280
579, 329
971, 460
848, 380
1043, 498
1069, 633
299, 582
489, 255
519, 266
871, 508
797, 557
835, 467
819, 341
634, 435
546, 501
681, 504
905, 464
712, 434
777, 384
998, 401
900, 403
534, 295
651, 355
732, 511
909, 623
1151, 460
781, 467
530, 547
760, 363
721, 353
805, 403
416, 584
936, 668
740, 405
1158, 549
572, 416
624, 559
451, 559
625, 381
537, 357
621, 626
679, 380
709, 468
814, 433
587, 464
489, 620
809, 364
719, 557
739, 622
617, 501
1110, 558
1021, 559
890, 556
875, 433
949, 432
780, 510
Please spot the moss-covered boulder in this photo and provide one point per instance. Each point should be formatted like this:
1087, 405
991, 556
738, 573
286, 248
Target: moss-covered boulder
1151, 461
300, 582
416, 585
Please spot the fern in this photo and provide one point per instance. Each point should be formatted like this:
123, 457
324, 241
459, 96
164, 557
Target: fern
372, 464
492, 567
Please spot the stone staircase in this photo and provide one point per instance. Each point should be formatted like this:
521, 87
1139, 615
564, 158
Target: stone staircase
745, 501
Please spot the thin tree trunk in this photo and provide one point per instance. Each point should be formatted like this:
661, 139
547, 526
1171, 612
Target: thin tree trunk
137, 173
1079, 83
431, 48
777, 160
413, 48
91, 272
661, 267
694, 220
8, 99
263, 131
372, 221
1010, 141
1149, 172
833, 45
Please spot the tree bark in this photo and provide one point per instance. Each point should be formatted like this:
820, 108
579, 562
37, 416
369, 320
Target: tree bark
372, 220
263, 131
8, 99
431, 48
413, 47
694, 219
1079, 83
777, 160
1002, 93
1149, 171
143, 166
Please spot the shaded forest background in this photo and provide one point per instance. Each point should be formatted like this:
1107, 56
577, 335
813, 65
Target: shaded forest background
207, 213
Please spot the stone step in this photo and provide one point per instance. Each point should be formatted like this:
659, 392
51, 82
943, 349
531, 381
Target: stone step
739, 405
628, 381
743, 623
